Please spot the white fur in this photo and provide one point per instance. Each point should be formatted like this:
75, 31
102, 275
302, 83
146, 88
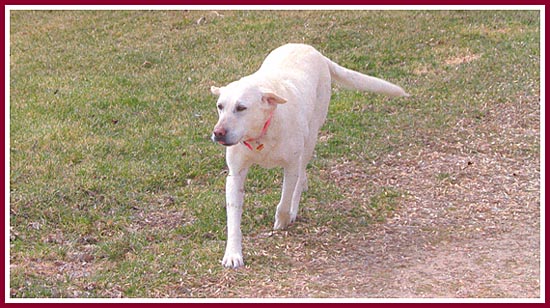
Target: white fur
294, 85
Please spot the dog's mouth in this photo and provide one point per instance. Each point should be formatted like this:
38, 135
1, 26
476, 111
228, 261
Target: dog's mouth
225, 144
222, 141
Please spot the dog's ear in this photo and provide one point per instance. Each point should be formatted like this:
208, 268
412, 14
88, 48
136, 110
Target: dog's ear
272, 98
215, 90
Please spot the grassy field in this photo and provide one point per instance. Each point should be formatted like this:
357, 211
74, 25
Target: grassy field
117, 191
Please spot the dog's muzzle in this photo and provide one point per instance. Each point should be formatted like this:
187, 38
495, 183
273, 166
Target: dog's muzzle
219, 135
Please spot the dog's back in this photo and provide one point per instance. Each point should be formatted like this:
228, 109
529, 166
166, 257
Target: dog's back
301, 57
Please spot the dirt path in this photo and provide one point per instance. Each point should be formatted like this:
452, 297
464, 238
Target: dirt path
469, 225
474, 233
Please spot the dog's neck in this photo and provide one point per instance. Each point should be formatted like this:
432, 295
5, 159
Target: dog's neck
260, 146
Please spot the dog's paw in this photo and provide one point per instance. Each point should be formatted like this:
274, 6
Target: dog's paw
282, 220
233, 260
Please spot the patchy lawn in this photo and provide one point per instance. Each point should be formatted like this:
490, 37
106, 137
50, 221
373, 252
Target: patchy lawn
117, 191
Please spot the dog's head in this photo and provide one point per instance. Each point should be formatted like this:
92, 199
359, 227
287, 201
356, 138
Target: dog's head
243, 111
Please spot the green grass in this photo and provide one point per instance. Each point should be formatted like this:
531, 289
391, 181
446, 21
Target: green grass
115, 187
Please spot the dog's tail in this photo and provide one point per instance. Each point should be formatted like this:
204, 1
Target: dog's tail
356, 81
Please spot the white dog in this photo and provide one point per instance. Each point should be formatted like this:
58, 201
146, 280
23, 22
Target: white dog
271, 118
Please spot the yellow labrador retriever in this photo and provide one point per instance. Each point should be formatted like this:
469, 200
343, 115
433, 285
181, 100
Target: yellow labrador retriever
271, 118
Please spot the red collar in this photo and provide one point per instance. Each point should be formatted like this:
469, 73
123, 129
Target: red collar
264, 131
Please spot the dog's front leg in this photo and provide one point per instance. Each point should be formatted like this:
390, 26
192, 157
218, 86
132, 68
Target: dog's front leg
234, 190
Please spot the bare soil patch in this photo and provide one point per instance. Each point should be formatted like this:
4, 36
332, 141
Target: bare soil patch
469, 225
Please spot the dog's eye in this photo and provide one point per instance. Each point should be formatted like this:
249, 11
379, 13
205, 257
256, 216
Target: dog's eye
220, 107
240, 108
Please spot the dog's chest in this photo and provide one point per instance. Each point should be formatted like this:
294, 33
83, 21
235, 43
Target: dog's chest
267, 155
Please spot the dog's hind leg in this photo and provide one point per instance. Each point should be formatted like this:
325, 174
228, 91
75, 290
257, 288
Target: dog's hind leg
301, 186
290, 181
